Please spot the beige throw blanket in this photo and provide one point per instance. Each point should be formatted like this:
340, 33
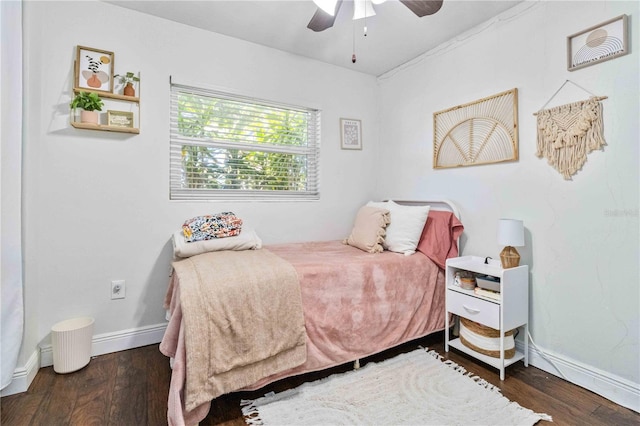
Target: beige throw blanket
243, 320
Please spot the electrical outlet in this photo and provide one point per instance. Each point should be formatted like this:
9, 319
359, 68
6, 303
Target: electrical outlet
118, 289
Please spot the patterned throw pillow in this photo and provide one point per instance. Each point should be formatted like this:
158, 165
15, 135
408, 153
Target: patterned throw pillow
221, 225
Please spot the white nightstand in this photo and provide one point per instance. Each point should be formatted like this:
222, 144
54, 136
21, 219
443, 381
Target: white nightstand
508, 313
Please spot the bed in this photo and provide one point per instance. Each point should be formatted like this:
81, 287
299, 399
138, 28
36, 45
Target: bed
302, 307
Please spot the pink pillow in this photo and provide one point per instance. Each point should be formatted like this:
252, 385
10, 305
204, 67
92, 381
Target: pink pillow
439, 239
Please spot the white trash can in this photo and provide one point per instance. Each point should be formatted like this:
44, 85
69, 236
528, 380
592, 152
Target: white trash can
71, 344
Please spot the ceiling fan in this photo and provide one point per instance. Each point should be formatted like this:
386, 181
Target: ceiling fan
325, 16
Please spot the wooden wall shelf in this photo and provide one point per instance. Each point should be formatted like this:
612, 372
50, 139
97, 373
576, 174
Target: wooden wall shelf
133, 101
89, 126
109, 95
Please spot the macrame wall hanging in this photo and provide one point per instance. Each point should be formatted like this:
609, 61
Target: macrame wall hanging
567, 133
480, 132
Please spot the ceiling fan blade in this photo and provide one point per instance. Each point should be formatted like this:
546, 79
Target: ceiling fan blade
321, 20
423, 7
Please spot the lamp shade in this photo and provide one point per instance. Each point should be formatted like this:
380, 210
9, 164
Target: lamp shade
510, 232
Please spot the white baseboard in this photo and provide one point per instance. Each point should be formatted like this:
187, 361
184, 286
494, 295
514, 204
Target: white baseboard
617, 389
114, 342
23, 376
101, 344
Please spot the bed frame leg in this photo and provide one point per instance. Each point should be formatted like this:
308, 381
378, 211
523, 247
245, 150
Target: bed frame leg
356, 364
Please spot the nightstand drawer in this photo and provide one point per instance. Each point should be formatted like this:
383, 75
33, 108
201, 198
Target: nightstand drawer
482, 311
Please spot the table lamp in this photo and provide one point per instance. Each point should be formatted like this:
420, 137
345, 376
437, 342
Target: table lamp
510, 234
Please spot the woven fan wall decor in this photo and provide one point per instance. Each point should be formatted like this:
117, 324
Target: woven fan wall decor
480, 132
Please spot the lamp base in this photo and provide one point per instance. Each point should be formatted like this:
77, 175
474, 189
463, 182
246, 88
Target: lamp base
509, 257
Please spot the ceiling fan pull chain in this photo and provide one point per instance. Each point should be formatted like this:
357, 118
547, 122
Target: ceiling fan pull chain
353, 57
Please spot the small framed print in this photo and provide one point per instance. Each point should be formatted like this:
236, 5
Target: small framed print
120, 119
94, 69
599, 43
350, 133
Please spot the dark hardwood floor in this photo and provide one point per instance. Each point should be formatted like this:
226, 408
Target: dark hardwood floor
130, 388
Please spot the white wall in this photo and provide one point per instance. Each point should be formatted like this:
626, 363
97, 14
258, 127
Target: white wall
96, 203
582, 236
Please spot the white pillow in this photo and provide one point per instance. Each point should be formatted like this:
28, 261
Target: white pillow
405, 228
247, 240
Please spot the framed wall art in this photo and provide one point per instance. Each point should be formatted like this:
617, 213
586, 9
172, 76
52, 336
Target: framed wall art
120, 119
599, 43
94, 69
479, 132
350, 133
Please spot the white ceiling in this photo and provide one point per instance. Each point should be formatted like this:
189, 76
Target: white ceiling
395, 34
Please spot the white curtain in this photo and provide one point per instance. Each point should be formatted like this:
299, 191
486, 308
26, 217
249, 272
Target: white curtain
12, 320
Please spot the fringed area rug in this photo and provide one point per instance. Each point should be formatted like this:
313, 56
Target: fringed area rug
415, 388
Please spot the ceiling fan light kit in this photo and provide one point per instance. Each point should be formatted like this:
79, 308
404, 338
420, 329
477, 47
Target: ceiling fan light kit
363, 9
325, 15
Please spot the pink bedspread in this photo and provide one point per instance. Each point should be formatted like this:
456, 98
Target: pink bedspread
355, 304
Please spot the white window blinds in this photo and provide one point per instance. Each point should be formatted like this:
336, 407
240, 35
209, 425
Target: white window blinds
230, 147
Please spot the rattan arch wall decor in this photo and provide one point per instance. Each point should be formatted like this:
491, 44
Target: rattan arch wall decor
480, 132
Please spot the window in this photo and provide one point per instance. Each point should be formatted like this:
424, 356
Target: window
230, 147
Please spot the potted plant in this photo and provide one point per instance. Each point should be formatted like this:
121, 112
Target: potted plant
128, 79
90, 103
